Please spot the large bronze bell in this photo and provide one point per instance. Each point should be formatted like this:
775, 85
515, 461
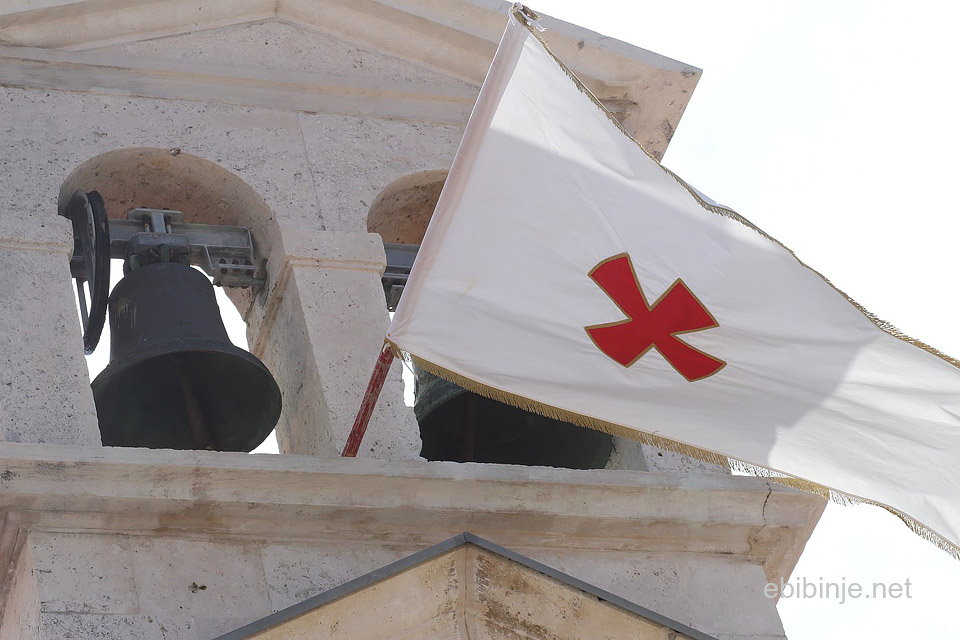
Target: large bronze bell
460, 426
174, 380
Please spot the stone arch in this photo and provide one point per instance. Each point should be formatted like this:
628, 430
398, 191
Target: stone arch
402, 210
159, 178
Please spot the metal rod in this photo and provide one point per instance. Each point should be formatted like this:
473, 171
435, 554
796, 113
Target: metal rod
374, 387
82, 295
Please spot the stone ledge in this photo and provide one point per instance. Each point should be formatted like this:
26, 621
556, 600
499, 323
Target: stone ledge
90, 71
53, 236
357, 251
139, 491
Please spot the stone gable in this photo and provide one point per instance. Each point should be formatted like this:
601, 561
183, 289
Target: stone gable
278, 46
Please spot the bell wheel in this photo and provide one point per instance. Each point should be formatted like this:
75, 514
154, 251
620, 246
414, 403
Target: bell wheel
90, 265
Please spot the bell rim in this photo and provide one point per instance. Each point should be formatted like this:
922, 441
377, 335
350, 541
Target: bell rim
115, 368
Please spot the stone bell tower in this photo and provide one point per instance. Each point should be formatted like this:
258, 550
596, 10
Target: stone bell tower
296, 120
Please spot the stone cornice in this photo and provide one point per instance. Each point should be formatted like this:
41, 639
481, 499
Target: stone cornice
102, 73
290, 498
85, 24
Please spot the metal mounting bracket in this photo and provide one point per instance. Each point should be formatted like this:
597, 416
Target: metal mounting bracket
224, 252
400, 259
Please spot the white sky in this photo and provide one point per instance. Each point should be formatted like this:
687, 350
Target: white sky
830, 125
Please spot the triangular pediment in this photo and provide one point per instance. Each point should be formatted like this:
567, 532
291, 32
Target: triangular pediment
444, 46
466, 587
273, 45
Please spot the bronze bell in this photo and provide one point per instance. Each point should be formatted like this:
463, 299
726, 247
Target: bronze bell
175, 381
460, 426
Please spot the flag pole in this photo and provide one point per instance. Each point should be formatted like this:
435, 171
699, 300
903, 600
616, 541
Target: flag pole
360, 423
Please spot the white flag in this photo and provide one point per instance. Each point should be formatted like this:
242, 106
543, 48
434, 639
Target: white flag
567, 272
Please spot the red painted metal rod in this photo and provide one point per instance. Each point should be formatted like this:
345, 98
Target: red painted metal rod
369, 402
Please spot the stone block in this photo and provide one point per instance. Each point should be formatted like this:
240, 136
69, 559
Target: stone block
81, 573
353, 159
295, 572
60, 626
44, 385
214, 586
21, 611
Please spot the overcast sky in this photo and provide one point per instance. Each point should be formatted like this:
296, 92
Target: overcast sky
833, 127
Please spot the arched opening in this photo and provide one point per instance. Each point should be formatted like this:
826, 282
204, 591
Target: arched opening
402, 211
203, 191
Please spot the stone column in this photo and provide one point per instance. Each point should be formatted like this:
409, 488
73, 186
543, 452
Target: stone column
319, 326
44, 385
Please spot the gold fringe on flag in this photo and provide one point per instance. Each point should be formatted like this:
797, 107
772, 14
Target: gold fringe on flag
704, 455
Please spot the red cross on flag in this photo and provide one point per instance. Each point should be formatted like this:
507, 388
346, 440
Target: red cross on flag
566, 270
